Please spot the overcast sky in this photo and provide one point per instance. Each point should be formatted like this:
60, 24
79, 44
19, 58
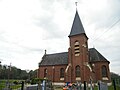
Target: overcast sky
28, 27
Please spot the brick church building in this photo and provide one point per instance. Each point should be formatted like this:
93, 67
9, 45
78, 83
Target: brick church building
80, 63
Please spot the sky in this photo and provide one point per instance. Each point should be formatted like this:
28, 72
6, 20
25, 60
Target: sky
29, 27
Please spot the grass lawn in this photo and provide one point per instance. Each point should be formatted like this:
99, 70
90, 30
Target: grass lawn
13, 86
112, 88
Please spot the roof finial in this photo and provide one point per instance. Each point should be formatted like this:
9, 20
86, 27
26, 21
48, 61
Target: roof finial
76, 5
45, 51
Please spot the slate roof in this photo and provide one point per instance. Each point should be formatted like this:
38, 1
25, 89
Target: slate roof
55, 59
77, 27
62, 58
94, 55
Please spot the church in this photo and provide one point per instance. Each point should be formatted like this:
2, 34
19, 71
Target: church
78, 64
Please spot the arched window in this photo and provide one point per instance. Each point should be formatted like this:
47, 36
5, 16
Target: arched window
62, 73
45, 72
104, 71
77, 48
77, 71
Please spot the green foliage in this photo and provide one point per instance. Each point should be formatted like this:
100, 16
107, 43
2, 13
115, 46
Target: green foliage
114, 75
15, 82
35, 81
15, 73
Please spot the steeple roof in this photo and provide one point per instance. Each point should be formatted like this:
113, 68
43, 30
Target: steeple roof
77, 27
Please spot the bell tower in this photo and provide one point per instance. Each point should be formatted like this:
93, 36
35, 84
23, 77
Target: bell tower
78, 52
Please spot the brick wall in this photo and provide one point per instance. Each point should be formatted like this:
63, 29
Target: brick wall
53, 72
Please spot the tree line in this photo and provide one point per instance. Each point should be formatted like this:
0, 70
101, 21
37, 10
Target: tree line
12, 72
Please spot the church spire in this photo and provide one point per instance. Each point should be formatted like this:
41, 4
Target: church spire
77, 27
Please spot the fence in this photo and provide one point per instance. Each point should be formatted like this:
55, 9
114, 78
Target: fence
101, 86
47, 85
15, 85
116, 83
116, 80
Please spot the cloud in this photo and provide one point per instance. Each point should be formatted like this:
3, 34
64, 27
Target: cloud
53, 19
28, 27
99, 14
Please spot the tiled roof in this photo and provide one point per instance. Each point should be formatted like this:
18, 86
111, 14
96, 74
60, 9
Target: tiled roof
94, 55
62, 58
77, 27
55, 59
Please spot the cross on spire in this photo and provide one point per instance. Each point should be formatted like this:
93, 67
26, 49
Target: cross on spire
76, 3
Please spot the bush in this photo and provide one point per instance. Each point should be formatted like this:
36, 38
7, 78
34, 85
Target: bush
35, 81
16, 82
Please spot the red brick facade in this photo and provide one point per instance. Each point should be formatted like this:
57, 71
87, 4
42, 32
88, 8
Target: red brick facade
53, 72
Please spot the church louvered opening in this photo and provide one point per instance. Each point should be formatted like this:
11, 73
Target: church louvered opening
77, 48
